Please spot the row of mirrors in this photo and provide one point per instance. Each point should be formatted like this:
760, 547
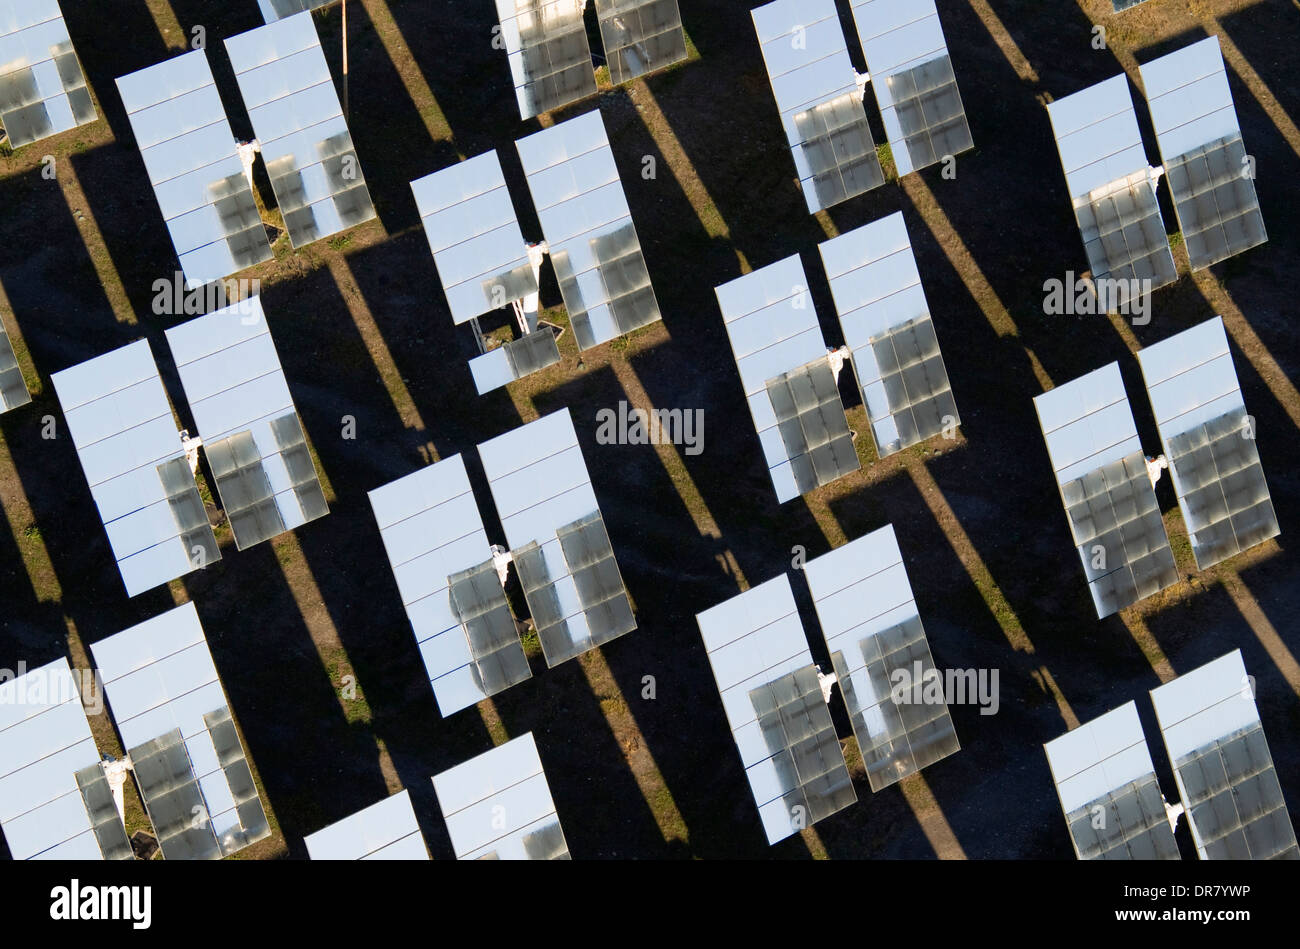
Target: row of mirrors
470, 601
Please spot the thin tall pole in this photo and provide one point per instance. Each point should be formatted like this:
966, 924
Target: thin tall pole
345, 60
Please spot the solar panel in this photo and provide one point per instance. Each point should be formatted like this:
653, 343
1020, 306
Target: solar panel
273, 10
819, 98
434, 538
1222, 764
911, 73
498, 806
384, 831
304, 139
772, 697
1205, 160
877, 645
515, 359
550, 58
1209, 441
254, 442
593, 243
54, 799
175, 723
888, 329
13, 387
1101, 471
1110, 185
42, 88
1122, 5
1108, 790
640, 36
474, 235
483, 261
791, 390
557, 537
130, 450
190, 154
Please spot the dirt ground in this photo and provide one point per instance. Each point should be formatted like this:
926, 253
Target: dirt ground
308, 632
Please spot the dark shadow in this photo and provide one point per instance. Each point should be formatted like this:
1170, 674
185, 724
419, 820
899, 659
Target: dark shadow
964, 633
1262, 32
380, 110
219, 20
122, 203
452, 48
660, 548
1209, 625
398, 283
31, 626
324, 356
316, 763
132, 43
1259, 280
65, 319
1272, 583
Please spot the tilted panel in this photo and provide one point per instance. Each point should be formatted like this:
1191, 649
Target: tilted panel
819, 98
1108, 496
593, 243
912, 75
1209, 441
43, 90
252, 437
304, 139
774, 705
881, 657
130, 449
190, 154
890, 334
1222, 764
1210, 175
1108, 790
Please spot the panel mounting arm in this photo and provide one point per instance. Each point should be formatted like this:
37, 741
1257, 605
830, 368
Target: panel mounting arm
837, 358
827, 682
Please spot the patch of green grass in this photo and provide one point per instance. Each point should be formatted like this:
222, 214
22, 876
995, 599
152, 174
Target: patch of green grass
532, 644
283, 554
1176, 240
886, 156
339, 241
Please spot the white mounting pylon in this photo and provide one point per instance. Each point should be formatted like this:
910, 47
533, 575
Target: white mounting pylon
1155, 468
827, 682
501, 561
527, 309
837, 358
115, 771
248, 152
191, 445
